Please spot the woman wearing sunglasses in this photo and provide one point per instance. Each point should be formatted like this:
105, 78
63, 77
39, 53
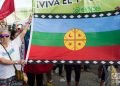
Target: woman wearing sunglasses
7, 71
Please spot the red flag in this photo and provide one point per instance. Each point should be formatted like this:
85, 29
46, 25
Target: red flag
7, 8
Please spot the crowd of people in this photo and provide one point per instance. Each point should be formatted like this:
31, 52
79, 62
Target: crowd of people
14, 41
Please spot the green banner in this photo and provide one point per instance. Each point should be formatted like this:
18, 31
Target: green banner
74, 6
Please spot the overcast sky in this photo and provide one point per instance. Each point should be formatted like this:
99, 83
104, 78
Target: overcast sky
23, 3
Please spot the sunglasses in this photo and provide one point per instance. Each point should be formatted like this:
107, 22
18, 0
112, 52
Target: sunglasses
4, 35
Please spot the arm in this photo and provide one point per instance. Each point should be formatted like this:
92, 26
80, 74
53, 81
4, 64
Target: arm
9, 62
26, 27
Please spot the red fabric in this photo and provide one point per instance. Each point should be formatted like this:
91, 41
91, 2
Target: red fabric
6, 9
38, 68
62, 53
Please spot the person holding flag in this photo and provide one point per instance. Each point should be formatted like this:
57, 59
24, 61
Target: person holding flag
7, 71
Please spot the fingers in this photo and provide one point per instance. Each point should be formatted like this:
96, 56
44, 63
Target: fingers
28, 23
117, 8
22, 62
29, 20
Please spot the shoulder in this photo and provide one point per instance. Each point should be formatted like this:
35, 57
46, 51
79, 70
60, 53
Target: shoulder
16, 40
1, 50
1, 47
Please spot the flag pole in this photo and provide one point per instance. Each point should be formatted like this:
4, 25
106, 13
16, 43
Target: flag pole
31, 30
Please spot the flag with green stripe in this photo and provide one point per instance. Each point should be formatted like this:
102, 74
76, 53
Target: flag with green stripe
75, 35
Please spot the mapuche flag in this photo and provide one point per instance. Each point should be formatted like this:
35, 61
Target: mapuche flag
76, 39
75, 30
6, 8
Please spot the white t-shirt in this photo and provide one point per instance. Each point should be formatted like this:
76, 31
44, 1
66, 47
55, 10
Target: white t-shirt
7, 71
22, 50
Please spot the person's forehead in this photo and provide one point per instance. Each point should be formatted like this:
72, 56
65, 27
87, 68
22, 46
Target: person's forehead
5, 32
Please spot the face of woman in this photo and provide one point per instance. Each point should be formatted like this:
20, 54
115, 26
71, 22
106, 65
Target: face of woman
19, 28
5, 37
